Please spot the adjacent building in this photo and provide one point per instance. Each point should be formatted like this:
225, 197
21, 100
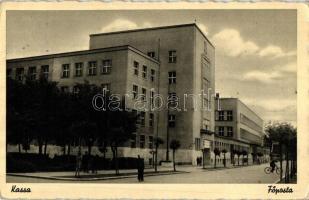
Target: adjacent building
170, 61
238, 129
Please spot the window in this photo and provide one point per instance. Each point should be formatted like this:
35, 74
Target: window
133, 141
197, 144
221, 115
229, 131
142, 141
151, 54
45, 71
171, 120
151, 118
172, 77
221, 131
135, 91
136, 66
92, 68
144, 94
172, 56
230, 115
64, 89
78, 69
150, 142
172, 99
106, 67
9, 73
32, 73
65, 71
152, 98
144, 71
20, 74
152, 75
106, 87
142, 118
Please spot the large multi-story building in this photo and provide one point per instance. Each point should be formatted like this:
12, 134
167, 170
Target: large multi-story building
238, 128
170, 61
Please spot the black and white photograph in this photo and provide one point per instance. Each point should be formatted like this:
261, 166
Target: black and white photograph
152, 97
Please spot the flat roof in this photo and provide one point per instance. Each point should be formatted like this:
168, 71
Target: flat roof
154, 28
237, 99
83, 52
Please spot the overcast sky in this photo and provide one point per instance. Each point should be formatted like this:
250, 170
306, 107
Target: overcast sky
255, 49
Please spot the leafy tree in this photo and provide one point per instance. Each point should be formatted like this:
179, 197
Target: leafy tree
175, 144
224, 151
283, 133
217, 153
157, 141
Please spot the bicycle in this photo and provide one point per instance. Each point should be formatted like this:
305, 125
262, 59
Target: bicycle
267, 170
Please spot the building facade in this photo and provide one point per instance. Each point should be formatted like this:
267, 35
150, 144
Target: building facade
238, 129
175, 62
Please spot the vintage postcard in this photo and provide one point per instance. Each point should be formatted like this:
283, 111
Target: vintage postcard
154, 100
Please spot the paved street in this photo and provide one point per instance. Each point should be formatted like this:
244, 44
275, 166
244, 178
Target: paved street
247, 174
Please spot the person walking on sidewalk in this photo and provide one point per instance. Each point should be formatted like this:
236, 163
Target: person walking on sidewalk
140, 169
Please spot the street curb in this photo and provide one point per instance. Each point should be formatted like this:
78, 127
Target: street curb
224, 168
94, 179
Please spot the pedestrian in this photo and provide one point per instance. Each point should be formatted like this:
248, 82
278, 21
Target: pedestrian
140, 169
78, 164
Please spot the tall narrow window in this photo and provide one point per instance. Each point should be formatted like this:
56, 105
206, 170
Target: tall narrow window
65, 71
230, 115
172, 58
92, 68
152, 98
144, 71
172, 77
135, 91
230, 131
144, 94
152, 75
221, 115
150, 142
136, 66
45, 71
221, 130
171, 120
79, 69
172, 99
142, 141
32, 73
142, 118
106, 67
20, 74
151, 118
205, 47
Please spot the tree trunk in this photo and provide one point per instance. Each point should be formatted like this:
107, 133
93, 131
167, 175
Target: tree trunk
238, 160
69, 149
89, 149
40, 143
174, 160
224, 161
19, 148
117, 167
287, 170
45, 147
215, 160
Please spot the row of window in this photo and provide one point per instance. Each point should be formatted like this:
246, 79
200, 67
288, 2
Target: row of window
172, 56
224, 115
105, 86
32, 72
144, 71
105, 68
142, 141
142, 118
226, 131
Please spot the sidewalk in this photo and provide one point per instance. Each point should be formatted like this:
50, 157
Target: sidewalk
100, 175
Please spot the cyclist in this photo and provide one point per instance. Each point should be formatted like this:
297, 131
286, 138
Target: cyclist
273, 165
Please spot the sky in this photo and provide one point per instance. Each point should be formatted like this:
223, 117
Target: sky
255, 49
